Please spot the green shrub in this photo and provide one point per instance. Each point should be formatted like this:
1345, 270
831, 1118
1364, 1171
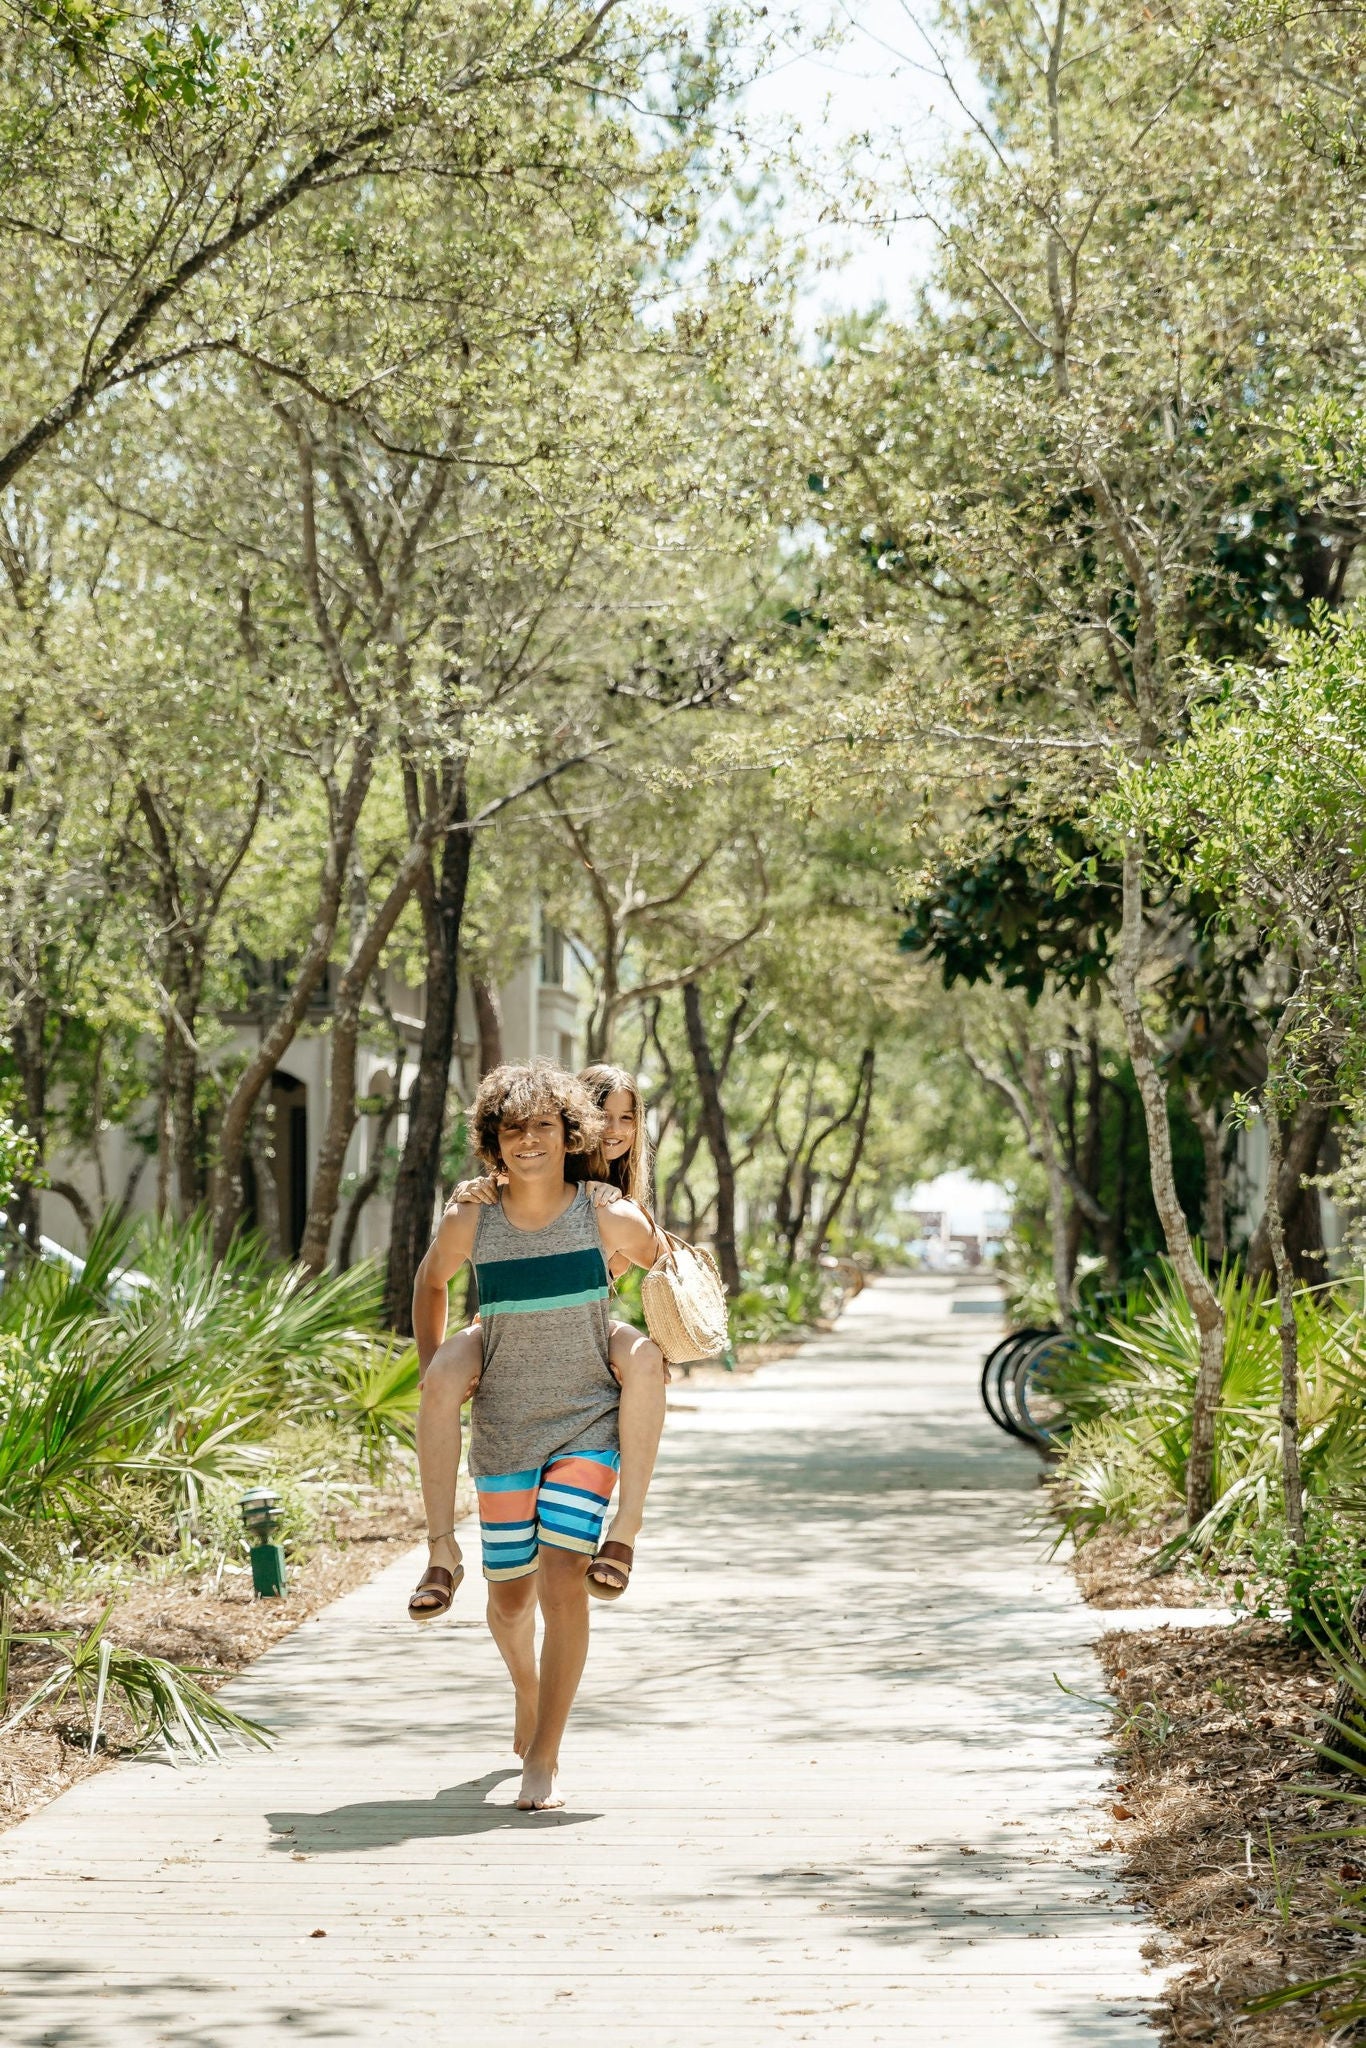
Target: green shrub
1126, 1389
1316, 1585
133, 1416
776, 1301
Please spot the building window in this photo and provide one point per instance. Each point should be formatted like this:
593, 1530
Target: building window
552, 956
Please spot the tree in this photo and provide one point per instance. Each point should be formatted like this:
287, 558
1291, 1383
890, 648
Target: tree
1034, 487
1262, 806
156, 175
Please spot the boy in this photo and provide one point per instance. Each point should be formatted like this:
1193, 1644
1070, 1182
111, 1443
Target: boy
545, 1453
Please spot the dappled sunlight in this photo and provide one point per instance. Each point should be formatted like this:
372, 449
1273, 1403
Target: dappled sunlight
819, 1774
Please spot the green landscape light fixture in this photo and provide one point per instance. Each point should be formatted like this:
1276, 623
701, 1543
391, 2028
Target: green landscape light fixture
261, 1519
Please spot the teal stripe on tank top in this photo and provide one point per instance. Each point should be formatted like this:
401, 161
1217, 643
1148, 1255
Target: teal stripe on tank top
550, 1280
544, 1302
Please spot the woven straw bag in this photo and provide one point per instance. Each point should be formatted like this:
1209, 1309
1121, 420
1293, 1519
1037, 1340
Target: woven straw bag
685, 1303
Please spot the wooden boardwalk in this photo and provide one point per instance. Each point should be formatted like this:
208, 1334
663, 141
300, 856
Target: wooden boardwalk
822, 1786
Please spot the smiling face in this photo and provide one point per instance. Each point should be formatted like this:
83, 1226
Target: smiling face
619, 1132
534, 1150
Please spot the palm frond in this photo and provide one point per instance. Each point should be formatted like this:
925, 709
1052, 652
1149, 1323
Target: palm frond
165, 1701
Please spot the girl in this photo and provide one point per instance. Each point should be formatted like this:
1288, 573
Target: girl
619, 1170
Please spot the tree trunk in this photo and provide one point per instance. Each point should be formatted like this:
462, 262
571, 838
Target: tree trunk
1300, 1158
366, 1188
185, 1079
1203, 1300
1122, 1180
603, 1015
789, 1213
166, 1118
73, 1197
718, 1141
807, 1187
1291, 1480
341, 1095
177, 1148
1207, 1121
130, 1188
185, 1112
1060, 1236
489, 1015
846, 1181
29, 1047
187, 939
1108, 1239
419, 1170
690, 1144
263, 1170
226, 1192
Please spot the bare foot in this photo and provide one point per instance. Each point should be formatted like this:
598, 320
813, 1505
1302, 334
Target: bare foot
524, 1723
446, 1551
538, 1794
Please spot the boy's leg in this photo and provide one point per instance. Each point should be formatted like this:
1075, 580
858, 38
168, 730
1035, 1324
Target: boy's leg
639, 1366
507, 1534
446, 1387
564, 1648
574, 1493
512, 1624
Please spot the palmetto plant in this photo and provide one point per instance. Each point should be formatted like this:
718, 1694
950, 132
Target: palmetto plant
256, 1346
377, 1394
179, 1375
165, 1701
1126, 1391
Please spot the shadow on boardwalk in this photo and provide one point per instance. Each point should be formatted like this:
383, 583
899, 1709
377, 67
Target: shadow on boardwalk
385, 1823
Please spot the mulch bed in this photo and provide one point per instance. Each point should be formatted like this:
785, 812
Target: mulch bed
192, 1622
1214, 1736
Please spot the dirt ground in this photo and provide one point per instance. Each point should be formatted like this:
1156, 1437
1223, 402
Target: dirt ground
193, 1622
1213, 1797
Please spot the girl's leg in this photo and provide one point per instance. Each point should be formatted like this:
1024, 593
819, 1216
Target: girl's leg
639, 1366
446, 1387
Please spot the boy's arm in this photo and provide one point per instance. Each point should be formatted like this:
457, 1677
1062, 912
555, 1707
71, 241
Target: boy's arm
446, 1254
627, 1230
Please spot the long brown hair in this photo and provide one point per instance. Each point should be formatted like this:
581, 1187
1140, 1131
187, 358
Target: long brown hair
633, 1172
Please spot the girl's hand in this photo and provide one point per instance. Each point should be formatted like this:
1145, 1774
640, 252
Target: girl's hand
484, 1191
602, 1193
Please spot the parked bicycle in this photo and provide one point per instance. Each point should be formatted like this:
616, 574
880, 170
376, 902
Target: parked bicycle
1017, 1385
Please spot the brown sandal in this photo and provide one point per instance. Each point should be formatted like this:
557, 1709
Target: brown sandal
437, 1586
616, 1558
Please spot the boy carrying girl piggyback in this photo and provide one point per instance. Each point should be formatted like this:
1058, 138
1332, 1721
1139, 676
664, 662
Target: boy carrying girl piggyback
562, 1398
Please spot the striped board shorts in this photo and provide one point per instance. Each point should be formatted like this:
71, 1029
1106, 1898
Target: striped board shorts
561, 1505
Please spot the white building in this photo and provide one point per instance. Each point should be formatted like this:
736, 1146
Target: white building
956, 1218
541, 1007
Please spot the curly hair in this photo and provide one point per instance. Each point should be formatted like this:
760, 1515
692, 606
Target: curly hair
514, 1094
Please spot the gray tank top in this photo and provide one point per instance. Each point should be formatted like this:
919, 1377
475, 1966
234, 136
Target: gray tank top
546, 1387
